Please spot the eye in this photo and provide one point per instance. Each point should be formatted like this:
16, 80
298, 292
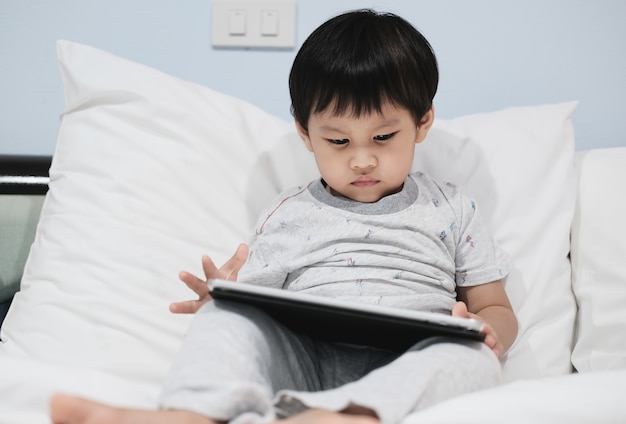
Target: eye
338, 142
384, 137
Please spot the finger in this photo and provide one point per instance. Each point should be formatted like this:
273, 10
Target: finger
493, 344
194, 283
231, 268
209, 268
490, 341
187, 306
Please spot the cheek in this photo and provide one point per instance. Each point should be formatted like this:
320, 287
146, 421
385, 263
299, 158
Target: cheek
403, 154
401, 163
330, 165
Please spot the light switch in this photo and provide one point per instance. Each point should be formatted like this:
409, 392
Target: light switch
253, 24
237, 22
269, 23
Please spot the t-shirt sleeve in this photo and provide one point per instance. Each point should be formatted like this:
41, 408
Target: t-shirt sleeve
478, 258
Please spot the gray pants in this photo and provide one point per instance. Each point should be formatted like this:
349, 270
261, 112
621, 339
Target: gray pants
237, 364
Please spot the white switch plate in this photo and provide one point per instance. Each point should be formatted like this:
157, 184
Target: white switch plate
267, 24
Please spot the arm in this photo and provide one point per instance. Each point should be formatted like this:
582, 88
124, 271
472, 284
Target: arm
489, 304
228, 271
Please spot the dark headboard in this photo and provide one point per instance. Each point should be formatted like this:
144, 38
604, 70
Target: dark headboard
23, 174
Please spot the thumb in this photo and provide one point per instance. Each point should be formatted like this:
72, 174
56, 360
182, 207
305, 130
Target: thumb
234, 264
460, 310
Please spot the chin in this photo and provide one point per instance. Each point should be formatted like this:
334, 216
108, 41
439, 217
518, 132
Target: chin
367, 198
359, 195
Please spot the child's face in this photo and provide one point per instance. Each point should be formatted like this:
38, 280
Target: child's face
365, 158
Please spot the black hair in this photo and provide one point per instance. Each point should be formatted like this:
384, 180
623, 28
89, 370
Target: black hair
357, 61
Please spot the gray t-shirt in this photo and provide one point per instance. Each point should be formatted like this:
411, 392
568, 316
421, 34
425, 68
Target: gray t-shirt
407, 250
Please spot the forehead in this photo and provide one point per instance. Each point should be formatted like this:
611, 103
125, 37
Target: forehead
389, 114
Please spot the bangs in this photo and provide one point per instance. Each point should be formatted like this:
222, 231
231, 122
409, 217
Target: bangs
358, 62
358, 92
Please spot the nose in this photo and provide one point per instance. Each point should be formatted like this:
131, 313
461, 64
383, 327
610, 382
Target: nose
363, 159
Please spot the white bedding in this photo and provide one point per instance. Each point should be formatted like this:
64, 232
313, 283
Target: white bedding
26, 385
151, 172
595, 397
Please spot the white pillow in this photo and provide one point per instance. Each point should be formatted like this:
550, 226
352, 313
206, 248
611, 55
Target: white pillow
599, 268
150, 172
518, 164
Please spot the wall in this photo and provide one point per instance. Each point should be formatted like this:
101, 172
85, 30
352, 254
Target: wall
492, 53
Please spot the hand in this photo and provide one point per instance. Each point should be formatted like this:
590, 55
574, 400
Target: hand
228, 271
491, 338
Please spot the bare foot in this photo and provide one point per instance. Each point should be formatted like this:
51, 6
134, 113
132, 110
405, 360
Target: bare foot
74, 410
351, 415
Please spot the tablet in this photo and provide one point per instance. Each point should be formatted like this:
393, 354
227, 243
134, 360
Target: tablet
340, 321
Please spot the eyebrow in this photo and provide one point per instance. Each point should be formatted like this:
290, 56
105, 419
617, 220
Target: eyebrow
384, 124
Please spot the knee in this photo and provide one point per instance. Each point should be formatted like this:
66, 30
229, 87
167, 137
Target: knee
462, 357
246, 319
479, 360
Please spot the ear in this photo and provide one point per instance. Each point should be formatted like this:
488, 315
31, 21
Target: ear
425, 124
304, 135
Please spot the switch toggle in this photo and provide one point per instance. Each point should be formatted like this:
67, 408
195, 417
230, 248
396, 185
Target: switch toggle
269, 23
237, 22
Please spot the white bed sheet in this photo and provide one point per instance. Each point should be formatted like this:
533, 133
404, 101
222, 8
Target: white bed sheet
595, 397
27, 385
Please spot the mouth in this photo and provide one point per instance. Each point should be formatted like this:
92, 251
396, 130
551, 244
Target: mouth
365, 181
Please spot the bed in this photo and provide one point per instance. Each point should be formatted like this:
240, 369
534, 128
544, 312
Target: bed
150, 172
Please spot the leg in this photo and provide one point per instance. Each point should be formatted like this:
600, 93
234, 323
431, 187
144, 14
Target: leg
432, 371
337, 365
231, 363
233, 360
72, 410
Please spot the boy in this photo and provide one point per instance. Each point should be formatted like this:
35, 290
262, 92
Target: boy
362, 87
